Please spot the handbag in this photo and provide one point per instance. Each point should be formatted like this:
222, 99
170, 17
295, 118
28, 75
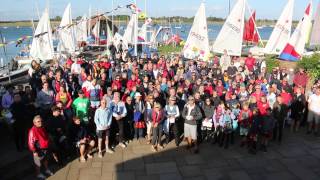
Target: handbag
136, 116
140, 125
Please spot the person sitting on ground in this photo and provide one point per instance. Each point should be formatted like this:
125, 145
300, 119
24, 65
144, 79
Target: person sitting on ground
78, 135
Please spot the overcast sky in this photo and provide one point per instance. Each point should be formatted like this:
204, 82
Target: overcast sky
28, 9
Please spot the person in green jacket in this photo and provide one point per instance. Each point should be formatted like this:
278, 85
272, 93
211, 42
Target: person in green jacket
81, 107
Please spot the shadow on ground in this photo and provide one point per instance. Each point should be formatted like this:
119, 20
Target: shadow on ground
298, 157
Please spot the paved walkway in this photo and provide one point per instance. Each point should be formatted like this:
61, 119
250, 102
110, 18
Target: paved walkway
297, 158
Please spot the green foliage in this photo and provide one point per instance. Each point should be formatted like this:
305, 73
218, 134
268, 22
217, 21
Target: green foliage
271, 63
167, 49
311, 64
57, 18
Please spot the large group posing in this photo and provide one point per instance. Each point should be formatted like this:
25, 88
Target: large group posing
77, 105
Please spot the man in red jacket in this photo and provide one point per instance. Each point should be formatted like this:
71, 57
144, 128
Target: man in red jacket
132, 82
301, 78
38, 142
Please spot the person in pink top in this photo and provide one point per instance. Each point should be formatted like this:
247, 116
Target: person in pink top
250, 62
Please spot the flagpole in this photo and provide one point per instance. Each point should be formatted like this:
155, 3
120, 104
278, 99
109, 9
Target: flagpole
229, 7
136, 32
111, 17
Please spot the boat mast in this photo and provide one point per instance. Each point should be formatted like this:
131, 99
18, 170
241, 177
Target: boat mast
112, 14
5, 53
136, 32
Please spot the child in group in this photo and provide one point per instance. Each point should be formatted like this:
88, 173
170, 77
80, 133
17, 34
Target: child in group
235, 110
245, 119
207, 125
139, 109
217, 119
267, 125
226, 124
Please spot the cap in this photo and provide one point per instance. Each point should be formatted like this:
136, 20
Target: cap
137, 95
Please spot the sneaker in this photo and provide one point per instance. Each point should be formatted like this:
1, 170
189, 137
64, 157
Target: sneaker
154, 149
83, 160
89, 156
123, 145
41, 176
100, 155
109, 151
49, 172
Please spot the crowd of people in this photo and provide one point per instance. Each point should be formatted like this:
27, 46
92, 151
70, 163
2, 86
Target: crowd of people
77, 105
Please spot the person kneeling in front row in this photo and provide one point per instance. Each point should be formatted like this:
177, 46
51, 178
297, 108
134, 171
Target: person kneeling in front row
80, 137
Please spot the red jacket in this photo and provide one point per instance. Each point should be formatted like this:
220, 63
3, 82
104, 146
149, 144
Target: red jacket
105, 65
250, 62
132, 83
208, 89
116, 85
262, 107
158, 119
300, 79
286, 97
258, 96
38, 138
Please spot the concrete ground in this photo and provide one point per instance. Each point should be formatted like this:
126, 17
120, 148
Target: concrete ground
298, 157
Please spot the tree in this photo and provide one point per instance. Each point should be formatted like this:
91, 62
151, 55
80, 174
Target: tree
57, 18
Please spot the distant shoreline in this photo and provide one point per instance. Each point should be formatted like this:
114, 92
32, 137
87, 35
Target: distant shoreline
156, 20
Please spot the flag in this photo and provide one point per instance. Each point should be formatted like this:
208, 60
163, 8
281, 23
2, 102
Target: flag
250, 34
134, 8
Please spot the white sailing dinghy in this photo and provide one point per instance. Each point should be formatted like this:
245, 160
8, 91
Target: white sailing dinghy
41, 49
67, 38
96, 31
109, 35
142, 33
230, 37
129, 34
116, 41
197, 44
42, 46
315, 33
294, 49
281, 32
82, 30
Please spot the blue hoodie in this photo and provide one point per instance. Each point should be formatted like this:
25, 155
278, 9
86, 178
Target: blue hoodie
103, 118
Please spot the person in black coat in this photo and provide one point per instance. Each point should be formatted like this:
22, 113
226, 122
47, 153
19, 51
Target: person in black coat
18, 110
280, 111
297, 107
128, 120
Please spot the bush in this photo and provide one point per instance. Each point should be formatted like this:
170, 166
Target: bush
312, 65
167, 49
271, 62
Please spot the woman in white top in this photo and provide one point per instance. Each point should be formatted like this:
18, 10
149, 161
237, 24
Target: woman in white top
314, 111
148, 116
172, 113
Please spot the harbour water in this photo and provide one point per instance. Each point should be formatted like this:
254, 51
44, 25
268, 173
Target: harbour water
14, 33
